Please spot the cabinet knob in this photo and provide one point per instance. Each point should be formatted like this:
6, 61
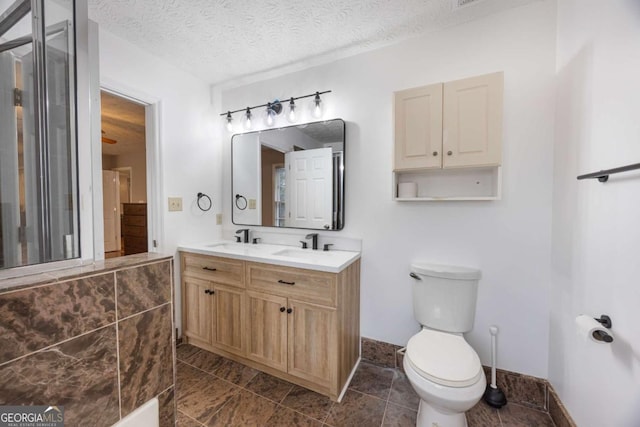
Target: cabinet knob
435, 153
449, 153
282, 309
209, 291
289, 310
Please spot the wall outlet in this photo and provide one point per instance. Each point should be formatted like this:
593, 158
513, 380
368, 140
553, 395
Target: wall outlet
252, 203
218, 219
175, 204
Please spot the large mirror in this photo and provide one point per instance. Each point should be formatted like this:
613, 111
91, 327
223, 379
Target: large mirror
289, 177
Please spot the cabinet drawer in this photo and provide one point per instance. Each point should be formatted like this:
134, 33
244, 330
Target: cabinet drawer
220, 270
134, 231
306, 285
135, 209
139, 221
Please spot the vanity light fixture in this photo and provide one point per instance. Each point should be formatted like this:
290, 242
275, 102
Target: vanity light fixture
274, 108
229, 122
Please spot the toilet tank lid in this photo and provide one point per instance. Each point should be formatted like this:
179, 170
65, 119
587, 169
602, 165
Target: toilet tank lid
446, 271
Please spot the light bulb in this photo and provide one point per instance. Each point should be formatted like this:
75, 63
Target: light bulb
316, 107
270, 115
292, 116
247, 121
229, 122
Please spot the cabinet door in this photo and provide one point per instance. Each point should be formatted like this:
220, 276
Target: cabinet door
472, 130
418, 128
228, 311
312, 342
197, 309
267, 329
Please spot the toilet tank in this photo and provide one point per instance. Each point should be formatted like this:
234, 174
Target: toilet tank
444, 296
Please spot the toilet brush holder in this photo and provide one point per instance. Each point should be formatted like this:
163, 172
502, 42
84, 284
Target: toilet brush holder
493, 395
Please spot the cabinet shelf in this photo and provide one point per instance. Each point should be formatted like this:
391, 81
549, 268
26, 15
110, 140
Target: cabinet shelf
460, 184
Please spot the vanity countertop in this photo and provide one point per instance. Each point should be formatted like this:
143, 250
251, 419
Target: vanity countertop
333, 261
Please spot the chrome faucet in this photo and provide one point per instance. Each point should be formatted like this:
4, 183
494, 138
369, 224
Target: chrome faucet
245, 234
314, 242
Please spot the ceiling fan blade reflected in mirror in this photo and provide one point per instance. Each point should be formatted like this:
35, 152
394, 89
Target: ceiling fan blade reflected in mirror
108, 140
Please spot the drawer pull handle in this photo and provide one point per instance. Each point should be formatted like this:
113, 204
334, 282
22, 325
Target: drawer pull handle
282, 309
286, 283
209, 269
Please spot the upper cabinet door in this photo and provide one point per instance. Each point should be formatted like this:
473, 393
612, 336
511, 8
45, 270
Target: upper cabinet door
418, 128
472, 130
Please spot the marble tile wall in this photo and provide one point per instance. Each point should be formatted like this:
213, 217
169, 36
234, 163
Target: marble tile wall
522, 389
99, 343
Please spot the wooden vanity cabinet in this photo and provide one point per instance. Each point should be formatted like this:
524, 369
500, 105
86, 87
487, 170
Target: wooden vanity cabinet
300, 325
213, 293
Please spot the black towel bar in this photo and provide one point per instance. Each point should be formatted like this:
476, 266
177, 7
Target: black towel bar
603, 176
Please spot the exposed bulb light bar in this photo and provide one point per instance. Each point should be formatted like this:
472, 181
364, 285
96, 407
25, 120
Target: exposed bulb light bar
274, 108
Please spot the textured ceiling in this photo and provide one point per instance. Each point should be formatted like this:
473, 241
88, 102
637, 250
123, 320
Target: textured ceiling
223, 40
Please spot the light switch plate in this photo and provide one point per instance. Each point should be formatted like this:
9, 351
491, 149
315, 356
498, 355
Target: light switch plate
175, 204
252, 203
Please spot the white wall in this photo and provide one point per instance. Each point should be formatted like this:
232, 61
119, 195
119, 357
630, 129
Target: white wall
596, 236
189, 158
508, 239
248, 183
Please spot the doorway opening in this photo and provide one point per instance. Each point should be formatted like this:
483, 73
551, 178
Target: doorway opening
124, 175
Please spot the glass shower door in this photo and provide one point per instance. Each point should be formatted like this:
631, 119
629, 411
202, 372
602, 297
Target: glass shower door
38, 178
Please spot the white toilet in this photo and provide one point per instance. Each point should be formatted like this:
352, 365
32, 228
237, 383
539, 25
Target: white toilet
441, 366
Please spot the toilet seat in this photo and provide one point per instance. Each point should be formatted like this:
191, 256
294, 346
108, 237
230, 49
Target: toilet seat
444, 358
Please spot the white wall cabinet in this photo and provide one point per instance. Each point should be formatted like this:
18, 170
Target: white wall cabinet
452, 125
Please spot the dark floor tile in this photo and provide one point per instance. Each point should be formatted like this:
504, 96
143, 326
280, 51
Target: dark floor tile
514, 415
244, 409
269, 386
205, 360
399, 416
373, 380
308, 402
185, 350
356, 409
402, 393
205, 398
184, 421
187, 377
482, 415
379, 352
285, 417
234, 372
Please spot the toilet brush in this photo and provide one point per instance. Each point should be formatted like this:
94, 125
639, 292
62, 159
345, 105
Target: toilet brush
493, 395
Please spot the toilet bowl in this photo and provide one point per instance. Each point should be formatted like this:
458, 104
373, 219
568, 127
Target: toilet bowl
446, 374
443, 369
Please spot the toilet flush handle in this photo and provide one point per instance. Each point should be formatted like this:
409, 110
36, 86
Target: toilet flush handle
415, 276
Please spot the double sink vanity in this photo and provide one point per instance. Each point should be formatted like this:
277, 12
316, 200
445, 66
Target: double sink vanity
293, 313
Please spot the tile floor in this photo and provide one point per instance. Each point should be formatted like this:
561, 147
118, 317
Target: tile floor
215, 391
